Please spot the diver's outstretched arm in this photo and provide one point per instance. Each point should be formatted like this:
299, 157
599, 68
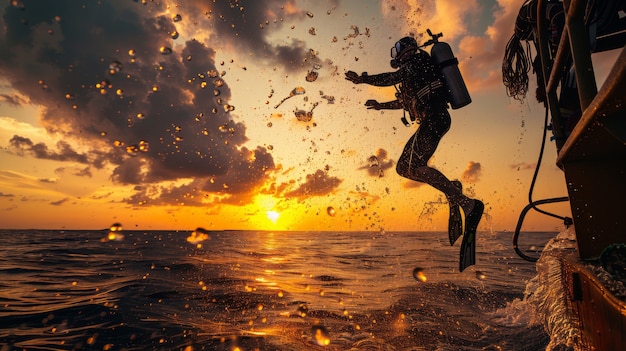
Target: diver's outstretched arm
381, 79
389, 105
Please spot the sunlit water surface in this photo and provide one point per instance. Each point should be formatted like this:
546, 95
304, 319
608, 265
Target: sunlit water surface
249, 290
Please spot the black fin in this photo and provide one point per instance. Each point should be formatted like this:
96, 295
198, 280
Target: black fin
468, 246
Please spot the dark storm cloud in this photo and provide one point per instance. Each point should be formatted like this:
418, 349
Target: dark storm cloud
247, 23
237, 186
103, 71
317, 184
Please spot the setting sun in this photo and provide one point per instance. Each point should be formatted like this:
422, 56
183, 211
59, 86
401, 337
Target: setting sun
273, 216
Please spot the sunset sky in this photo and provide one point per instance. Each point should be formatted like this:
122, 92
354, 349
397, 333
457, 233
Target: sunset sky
168, 115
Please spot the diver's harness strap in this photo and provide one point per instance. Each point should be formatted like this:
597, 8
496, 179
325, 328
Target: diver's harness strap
423, 95
425, 91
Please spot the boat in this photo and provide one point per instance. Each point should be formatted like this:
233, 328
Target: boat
591, 152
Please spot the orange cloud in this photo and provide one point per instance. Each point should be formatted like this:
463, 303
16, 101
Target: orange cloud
317, 184
472, 172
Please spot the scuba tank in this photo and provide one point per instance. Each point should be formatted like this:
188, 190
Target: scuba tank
448, 65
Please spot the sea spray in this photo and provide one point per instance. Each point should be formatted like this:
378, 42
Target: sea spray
546, 294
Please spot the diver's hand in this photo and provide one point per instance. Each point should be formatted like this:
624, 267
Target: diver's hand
354, 77
373, 104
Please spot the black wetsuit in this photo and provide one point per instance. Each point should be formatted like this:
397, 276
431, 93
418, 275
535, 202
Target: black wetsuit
423, 95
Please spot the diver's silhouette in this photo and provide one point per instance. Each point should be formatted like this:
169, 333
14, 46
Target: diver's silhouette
424, 95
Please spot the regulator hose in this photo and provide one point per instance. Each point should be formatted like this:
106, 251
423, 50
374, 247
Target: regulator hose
533, 204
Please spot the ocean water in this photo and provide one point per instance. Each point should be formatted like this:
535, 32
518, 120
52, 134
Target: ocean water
262, 290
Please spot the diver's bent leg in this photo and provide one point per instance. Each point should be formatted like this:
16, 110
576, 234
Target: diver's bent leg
439, 181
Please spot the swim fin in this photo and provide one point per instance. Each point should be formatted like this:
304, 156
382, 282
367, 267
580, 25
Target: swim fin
468, 245
455, 222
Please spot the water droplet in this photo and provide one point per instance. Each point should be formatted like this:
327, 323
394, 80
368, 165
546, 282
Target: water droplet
118, 143
165, 50
177, 18
174, 34
310, 14
321, 336
331, 211
115, 233
373, 161
418, 274
311, 76
119, 92
198, 236
141, 115
301, 115
218, 82
115, 67
132, 150
131, 53
144, 146
302, 310
480, 275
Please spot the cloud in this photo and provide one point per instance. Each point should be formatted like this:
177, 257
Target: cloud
246, 25
110, 75
447, 16
378, 163
243, 180
13, 99
472, 172
59, 202
64, 152
523, 166
316, 184
481, 56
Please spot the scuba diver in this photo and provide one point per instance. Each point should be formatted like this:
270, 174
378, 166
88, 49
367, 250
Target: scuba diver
423, 92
